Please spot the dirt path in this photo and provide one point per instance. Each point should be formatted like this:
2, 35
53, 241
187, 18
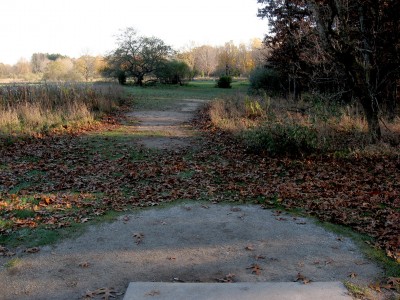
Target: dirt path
168, 128
187, 242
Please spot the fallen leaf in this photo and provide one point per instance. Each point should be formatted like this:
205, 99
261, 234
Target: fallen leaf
84, 265
249, 248
236, 209
71, 283
255, 269
47, 200
393, 283
353, 275
6, 252
376, 287
242, 216
393, 280
153, 293
139, 237
258, 257
302, 278
32, 250
301, 223
227, 278
89, 295
106, 293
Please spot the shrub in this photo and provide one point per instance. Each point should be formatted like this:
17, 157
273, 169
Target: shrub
265, 79
254, 108
224, 82
281, 139
173, 72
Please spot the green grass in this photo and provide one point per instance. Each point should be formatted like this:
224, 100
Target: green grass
113, 144
5, 224
23, 213
187, 174
12, 263
42, 236
355, 290
164, 96
19, 187
364, 243
31, 237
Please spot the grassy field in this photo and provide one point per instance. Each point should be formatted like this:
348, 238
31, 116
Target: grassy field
163, 95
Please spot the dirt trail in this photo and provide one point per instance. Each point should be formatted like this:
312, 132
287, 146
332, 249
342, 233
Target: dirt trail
187, 242
168, 128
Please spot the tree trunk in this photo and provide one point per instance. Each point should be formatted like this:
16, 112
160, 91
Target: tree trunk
390, 94
371, 114
140, 80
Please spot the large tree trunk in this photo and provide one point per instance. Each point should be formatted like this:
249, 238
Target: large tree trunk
370, 107
366, 93
140, 80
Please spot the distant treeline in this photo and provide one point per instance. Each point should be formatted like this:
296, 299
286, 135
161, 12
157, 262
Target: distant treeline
203, 60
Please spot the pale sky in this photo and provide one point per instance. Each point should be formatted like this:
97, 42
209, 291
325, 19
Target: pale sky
77, 27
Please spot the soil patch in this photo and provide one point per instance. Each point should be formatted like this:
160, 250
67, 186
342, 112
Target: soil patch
168, 128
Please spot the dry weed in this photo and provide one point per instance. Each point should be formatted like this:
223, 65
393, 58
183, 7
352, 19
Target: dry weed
331, 127
32, 108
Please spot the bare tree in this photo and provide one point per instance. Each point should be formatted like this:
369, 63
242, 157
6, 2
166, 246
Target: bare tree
5, 70
137, 56
39, 62
86, 65
245, 62
22, 67
62, 69
205, 59
259, 52
227, 58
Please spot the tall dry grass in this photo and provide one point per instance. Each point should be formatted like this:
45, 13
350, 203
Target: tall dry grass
281, 126
42, 108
